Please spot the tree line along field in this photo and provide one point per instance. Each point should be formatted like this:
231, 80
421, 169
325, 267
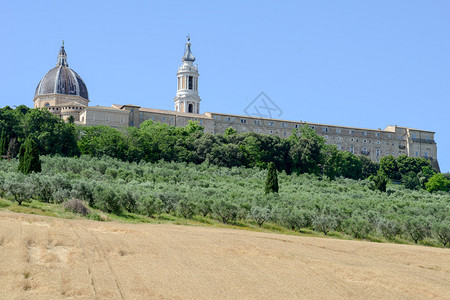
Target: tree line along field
305, 203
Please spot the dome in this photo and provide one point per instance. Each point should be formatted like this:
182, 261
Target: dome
188, 56
62, 80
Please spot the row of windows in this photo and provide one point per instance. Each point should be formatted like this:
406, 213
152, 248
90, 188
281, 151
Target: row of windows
56, 108
142, 117
353, 132
286, 125
367, 141
258, 130
414, 136
257, 122
364, 150
107, 118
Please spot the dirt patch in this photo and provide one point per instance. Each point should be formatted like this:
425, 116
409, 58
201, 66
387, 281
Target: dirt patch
44, 257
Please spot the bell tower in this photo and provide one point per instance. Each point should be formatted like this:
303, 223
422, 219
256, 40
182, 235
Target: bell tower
187, 99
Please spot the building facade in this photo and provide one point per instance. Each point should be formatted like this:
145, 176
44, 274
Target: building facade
67, 96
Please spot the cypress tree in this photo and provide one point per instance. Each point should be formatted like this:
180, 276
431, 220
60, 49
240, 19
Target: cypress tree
272, 179
29, 157
22, 150
3, 143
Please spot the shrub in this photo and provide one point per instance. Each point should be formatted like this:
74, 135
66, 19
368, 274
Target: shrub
76, 206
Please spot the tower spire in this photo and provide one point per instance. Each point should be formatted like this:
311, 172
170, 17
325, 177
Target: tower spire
62, 57
187, 99
188, 56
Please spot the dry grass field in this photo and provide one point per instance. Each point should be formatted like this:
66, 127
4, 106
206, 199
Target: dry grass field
50, 258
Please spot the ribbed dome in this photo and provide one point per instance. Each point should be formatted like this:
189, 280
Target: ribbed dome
62, 80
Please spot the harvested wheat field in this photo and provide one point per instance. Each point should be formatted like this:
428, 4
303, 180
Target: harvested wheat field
49, 258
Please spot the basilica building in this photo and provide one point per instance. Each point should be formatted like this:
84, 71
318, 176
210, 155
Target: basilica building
65, 94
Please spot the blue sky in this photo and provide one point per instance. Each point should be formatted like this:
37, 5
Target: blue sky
352, 63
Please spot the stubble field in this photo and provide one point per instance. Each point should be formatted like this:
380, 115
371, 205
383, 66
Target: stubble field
51, 258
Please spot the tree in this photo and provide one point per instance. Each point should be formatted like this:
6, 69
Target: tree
29, 157
225, 155
389, 167
4, 142
389, 228
230, 131
150, 205
411, 181
442, 232
358, 226
19, 186
260, 214
306, 156
438, 183
425, 175
12, 148
378, 182
368, 167
324, 223
105, 199
186, 208
418, 228
51, 133
272, 179
226, 210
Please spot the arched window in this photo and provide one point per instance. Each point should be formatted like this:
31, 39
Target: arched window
190, 108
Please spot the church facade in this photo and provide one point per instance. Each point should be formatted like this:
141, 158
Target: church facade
64, 93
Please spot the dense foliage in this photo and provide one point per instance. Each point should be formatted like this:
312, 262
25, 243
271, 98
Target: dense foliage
233, 195
303, 152
52, 134
29, 157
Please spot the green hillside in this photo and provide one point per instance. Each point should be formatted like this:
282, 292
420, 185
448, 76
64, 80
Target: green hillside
202, 192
